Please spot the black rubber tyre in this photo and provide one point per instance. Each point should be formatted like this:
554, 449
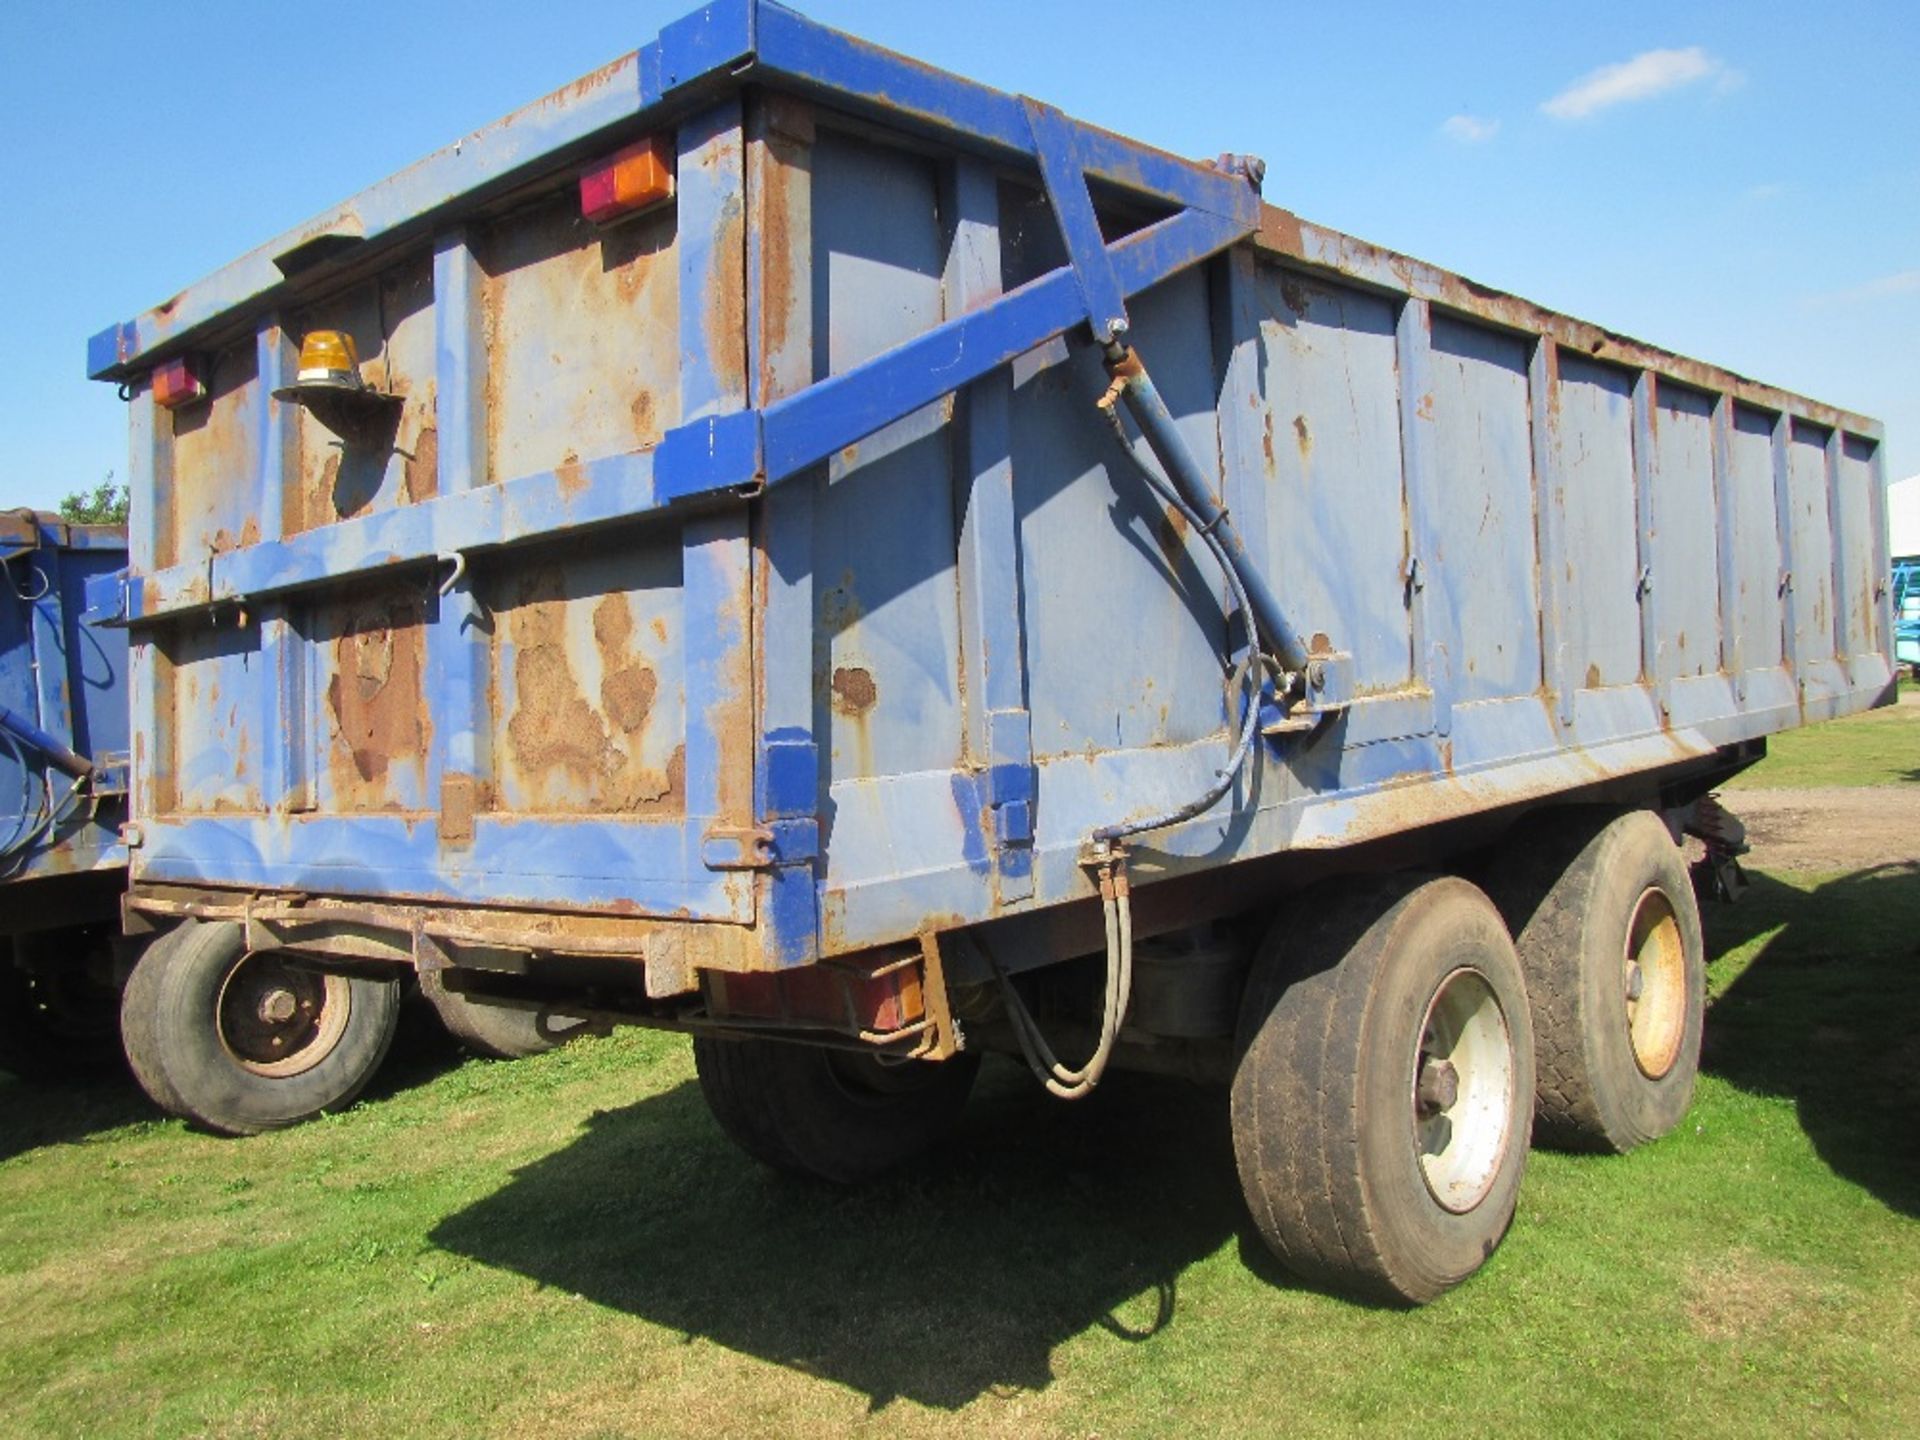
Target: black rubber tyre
57, 1019
252, 1042
499, 1032
138, 1002
829, 1114
1346, 1140
1594, 898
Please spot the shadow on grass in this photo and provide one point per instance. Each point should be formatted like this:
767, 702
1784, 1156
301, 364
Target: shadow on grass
37, 1113
959, 1278
1828, 1014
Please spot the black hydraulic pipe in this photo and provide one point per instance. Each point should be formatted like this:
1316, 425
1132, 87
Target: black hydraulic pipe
1156, 423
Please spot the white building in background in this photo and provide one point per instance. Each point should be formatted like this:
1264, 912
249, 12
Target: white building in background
1903, 516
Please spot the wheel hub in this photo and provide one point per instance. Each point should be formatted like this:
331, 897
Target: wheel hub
277, 1007
1462, 1100
278, 1020
1439, 1087
1654, 984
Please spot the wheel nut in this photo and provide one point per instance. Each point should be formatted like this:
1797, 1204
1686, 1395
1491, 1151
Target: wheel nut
1439, 1086
1636, 981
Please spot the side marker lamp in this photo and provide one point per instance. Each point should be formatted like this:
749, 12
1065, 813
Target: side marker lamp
178, 383
629, 181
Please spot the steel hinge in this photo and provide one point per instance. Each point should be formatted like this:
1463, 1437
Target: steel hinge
738, 848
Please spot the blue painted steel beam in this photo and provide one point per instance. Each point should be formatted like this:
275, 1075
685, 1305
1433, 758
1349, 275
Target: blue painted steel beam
714, 48
282, 711
993, 645
459, 658
1064, 174
1434, 643
870, 80
836, 412
611, 864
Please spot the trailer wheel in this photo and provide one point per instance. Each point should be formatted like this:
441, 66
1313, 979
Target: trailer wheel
499, 1032
829, 1114
252, 1042
56, 1018
1380, 1095
138, 1002
1608, 929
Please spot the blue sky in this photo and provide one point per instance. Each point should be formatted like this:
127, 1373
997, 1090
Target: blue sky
1736, 181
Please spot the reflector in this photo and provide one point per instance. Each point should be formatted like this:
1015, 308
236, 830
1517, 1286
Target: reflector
177, 383
634, 179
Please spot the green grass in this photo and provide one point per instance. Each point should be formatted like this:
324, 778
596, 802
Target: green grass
566, 1247
1881, 747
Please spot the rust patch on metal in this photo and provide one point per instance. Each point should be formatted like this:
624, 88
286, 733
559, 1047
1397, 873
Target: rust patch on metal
423, 465
460, 797
1280, 230
572, 475
725, 305
562, 744
776, 260
854, 692
557, 298
1170, 534
627, 691
1303, 440
377, 698
1593, 677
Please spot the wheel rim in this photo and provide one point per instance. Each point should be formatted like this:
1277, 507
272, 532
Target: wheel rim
277, 1020
1654, 984
1462, 1091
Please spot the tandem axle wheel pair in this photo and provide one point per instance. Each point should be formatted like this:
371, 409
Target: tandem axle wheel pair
1397, 1050
1400, 1038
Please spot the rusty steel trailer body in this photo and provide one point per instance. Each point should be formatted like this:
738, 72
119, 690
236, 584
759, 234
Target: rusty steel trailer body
63, 787
732, 601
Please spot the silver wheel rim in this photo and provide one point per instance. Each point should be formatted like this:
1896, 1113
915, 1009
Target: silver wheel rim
1462, 1096
1653, 982
277, 1020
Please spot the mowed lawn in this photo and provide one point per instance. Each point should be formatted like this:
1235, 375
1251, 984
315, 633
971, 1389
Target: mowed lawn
567, 1247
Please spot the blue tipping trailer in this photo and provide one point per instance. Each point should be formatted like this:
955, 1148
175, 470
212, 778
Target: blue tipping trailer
1906, 612
63, 789
780, 542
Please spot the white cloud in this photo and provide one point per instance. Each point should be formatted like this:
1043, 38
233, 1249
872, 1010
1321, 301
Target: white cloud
1771, 190
1469, 129
1901, 282
1644, 76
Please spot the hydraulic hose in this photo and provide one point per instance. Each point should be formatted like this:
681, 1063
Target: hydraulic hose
1260, 619
1072, 1084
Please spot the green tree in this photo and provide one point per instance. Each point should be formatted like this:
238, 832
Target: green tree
105, 504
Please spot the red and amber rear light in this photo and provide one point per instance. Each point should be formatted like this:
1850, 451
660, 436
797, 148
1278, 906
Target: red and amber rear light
178, 383
628, 181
